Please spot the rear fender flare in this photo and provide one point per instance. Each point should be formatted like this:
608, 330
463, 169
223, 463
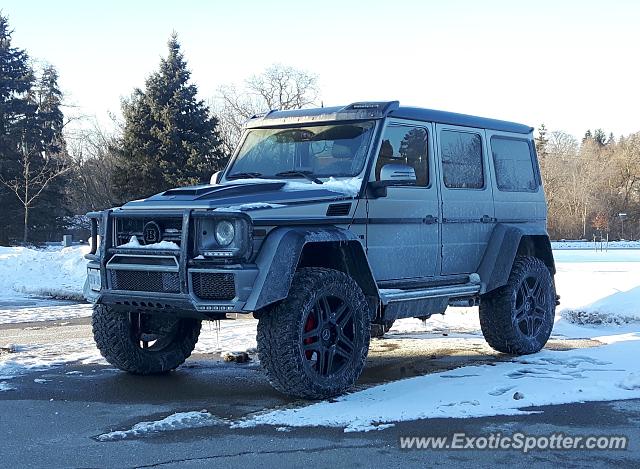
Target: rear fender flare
506, 242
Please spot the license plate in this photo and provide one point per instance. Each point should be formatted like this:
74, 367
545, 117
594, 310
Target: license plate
94, 279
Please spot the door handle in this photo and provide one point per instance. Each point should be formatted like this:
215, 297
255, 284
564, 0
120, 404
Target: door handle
430, 220
486, 219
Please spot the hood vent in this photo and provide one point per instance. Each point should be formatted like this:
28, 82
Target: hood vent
338, 210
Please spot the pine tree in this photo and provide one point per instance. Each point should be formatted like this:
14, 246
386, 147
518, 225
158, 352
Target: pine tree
600, 137
169, 139
16, 81
48, 213
541, 141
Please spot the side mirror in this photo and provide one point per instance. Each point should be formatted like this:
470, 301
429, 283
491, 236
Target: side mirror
215, 178
393, 174
398, 175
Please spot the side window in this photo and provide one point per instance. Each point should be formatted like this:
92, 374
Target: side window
514, 165
405, 145
461, 160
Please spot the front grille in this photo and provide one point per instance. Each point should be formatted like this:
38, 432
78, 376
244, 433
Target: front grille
125, 228
213, 286
152, 281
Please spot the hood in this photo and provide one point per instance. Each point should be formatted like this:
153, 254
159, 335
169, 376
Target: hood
249, 194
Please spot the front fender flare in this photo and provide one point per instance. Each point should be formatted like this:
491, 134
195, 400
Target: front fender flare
279, 257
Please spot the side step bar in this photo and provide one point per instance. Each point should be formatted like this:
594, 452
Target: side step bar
454, 291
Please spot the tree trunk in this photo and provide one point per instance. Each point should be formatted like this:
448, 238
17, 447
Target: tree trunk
25, 234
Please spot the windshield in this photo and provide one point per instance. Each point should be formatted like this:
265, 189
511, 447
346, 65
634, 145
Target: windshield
318, 150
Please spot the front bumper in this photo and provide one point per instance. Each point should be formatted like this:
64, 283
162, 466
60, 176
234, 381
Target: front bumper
164, 281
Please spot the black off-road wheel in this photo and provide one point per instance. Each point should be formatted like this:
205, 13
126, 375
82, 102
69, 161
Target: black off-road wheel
517, 318
314, 344
143, 344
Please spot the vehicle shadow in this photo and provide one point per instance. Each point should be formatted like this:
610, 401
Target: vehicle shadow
231, 390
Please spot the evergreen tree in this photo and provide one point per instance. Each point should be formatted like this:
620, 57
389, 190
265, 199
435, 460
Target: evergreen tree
170, 138
48, 213
542, 141
600, 137
16, 111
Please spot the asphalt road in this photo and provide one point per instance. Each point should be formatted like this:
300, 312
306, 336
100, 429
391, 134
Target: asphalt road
53, 423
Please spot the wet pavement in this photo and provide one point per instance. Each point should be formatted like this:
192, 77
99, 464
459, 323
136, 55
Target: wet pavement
53, 415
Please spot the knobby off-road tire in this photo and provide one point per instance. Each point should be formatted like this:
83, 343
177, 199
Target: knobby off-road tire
143, 344
314, 344
518, 317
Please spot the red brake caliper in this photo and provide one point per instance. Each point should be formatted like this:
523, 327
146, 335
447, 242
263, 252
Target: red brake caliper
309, 326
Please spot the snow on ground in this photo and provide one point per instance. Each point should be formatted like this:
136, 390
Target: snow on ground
58, 273
598, 287
177, 421
545, 378
592, 284
42, 311
604, 281
594, 245
22, 359
227, 336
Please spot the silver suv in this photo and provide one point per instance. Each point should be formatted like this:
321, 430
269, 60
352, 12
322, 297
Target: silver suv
328, 225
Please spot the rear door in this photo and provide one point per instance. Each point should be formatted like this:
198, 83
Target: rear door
468, 215
403, 238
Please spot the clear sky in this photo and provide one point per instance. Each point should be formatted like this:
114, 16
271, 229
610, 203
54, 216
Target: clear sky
570, 64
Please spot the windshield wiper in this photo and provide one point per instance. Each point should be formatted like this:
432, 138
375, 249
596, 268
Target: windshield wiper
244, 175
305, 174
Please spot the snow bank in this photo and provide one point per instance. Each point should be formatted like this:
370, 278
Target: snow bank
58, 273
177, 421
619, 308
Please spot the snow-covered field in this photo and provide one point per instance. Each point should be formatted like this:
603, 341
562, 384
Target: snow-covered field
52, 272
600, 296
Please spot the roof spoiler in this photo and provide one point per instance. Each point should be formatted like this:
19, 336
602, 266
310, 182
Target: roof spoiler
375, 109
355, 111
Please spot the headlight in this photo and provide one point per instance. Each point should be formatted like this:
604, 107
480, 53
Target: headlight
222, 235
225, 233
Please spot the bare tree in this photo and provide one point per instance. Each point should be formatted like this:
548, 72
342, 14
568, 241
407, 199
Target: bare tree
93, 155
36, 172
278, 87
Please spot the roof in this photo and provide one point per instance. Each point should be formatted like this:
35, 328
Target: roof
379, 110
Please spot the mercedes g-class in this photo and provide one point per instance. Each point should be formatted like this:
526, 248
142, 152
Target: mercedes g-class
327, 225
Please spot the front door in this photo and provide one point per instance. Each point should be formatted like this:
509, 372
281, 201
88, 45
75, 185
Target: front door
403, 239
468, 216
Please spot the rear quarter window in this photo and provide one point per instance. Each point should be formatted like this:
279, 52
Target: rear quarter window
461, 160
513, 162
